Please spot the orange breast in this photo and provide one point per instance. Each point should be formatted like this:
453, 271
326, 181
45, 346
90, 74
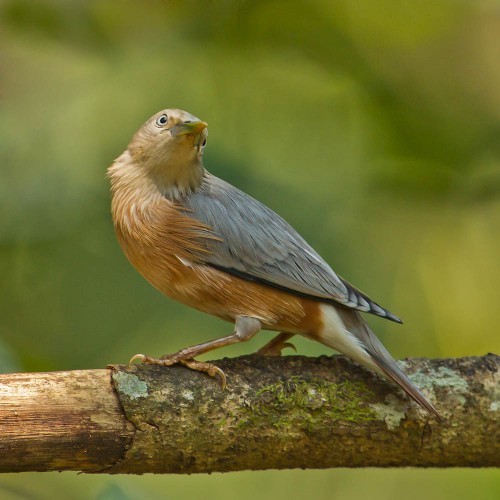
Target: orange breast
161, 241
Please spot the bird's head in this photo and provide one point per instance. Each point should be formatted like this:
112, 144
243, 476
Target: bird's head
169, 149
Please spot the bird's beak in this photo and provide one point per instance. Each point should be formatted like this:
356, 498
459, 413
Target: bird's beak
188, 128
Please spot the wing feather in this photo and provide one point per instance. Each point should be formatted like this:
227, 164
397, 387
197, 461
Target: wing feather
255, 243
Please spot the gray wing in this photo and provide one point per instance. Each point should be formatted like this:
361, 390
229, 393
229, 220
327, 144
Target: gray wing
258, 245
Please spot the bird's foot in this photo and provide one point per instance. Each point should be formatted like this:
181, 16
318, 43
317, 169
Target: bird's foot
209, 368
276, 345
172, 359
275, 351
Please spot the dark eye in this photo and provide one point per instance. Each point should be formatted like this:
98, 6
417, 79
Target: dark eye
204, 143
162, 120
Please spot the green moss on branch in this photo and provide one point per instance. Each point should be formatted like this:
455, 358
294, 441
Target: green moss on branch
310, 413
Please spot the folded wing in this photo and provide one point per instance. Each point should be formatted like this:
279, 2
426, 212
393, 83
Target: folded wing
258, 245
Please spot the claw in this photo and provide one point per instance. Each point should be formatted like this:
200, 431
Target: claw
208, 368
290, 345
141, 357
164, 361
275, 350
171, 359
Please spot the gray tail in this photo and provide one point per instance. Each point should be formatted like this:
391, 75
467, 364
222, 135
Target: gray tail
383, 360
394, 373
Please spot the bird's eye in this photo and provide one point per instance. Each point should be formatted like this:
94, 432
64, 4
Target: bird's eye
162, 120
204, 143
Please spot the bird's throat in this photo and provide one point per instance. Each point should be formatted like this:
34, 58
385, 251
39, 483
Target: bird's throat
177, 180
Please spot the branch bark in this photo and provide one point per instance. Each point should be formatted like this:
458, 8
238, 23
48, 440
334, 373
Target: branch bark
276, 413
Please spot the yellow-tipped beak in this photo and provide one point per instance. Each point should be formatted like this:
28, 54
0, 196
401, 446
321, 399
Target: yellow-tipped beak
190, 128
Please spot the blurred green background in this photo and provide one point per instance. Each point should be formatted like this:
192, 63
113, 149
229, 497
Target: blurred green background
373, 127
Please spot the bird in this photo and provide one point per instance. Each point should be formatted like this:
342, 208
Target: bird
205, 243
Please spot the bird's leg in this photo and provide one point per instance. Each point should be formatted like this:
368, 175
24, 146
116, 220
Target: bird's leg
244, 329
276, 345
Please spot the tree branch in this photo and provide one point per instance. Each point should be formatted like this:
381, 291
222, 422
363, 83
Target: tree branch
277, 413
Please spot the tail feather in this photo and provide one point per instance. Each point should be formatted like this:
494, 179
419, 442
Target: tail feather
393, 372
382, 359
